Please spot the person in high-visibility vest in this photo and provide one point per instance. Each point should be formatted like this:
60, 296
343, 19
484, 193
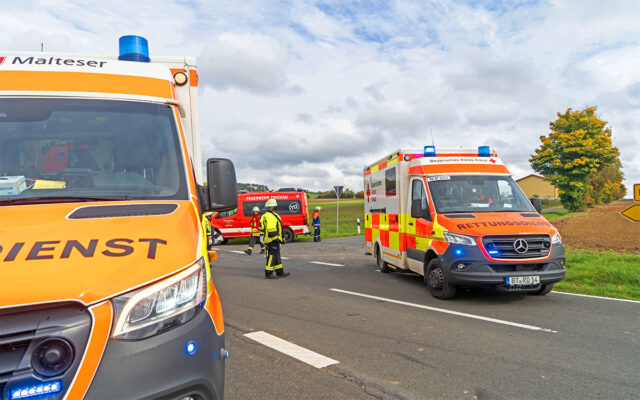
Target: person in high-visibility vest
256, 233
316, 225
271, 225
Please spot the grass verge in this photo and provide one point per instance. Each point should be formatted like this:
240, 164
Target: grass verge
602, 273
553, 215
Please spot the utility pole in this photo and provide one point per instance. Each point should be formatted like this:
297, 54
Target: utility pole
338, 190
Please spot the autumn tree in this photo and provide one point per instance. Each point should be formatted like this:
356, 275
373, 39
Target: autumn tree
605, 185
577, 148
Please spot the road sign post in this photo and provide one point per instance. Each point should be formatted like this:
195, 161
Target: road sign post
633, 212
338, 190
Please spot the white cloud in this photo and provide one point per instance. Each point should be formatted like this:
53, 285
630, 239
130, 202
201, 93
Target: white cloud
304, 95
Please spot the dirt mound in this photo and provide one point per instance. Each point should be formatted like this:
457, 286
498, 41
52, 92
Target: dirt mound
601, 228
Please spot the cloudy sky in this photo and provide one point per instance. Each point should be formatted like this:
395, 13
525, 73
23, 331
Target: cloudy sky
305, 93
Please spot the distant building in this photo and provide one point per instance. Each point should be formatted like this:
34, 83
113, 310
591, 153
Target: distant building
535, 185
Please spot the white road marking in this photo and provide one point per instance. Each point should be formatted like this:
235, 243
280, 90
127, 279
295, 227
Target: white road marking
237, 251
293, 350
284, 258
326, 263
445, 311
596, 297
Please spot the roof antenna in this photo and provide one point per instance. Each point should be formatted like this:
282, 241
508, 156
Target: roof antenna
41, 47
433, 143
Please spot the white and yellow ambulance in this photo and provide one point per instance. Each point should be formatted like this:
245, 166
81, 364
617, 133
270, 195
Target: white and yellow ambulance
457, 217
105, 282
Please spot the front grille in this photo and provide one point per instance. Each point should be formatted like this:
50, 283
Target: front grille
502, 268
22, 329
502, 246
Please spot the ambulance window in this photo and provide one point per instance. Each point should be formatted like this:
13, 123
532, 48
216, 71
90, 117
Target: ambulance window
390, 181
505, 189
418, 193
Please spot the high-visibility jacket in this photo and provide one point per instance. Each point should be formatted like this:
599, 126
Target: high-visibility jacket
316, 218
271, 225
255, 225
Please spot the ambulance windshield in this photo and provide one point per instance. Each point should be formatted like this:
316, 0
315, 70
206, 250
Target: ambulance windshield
477, 193
72, 149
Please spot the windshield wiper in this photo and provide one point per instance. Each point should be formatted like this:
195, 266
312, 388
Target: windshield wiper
61, 199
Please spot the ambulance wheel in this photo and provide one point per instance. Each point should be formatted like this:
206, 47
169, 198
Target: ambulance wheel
436, 281
384, 267
544, 289
288, 235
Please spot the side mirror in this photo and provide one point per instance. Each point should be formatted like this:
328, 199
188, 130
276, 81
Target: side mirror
222, 186
536, 203
417, 211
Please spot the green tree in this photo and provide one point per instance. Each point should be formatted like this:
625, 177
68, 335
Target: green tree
605, 185
578, 147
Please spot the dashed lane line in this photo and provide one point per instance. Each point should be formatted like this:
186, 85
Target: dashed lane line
445, 311
326, 263
291, 349
237, 251
596, 297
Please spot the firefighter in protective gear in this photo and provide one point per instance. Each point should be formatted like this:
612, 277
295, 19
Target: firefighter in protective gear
316, 225
271, 226
256, 233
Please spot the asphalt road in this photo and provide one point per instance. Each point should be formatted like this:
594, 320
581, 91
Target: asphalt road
493, 346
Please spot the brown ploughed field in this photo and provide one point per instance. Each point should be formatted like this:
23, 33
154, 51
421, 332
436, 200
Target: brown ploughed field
601, 228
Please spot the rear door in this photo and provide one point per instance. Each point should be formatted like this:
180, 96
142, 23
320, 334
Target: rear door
291, 211
418, 230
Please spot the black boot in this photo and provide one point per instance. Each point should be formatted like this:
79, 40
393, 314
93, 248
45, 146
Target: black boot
270, 275
262, 251
248, 251
281, 274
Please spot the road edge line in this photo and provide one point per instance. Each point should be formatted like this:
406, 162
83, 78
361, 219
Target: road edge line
445, 311
596, 297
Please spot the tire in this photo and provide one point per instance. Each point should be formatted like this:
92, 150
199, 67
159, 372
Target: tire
544, 289
436, 281
217, 238
288, 235
384, 267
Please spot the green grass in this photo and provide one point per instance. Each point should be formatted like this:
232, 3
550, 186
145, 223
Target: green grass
602, 273
350, 210
553, 215
550, 203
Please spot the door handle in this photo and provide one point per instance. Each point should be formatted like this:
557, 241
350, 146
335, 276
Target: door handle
410, 223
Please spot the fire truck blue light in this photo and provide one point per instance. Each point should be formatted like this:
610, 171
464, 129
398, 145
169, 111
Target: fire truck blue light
31, 391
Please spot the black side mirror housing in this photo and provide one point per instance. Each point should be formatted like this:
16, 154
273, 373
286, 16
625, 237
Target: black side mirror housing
536, 203
222, 187
417, 211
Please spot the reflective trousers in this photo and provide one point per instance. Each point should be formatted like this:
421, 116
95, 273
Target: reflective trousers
255, 239
316, 233
273, 256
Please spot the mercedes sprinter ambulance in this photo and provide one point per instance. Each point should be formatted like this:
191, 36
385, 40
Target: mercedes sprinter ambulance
457, 218
105, 281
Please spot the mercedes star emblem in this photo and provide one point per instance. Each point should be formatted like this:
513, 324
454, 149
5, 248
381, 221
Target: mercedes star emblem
520, 246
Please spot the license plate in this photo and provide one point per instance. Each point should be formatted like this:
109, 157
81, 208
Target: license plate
522, 280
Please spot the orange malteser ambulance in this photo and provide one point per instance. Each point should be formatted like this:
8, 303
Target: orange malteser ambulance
105, 281
457, 218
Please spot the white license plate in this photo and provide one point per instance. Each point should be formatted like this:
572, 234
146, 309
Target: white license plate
522, 280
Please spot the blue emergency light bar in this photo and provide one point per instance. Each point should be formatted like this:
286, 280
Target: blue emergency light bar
429, 151
484, 151
46, 389
134, 48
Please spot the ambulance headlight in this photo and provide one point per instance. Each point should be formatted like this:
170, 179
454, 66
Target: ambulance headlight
556, 239
162, 305
456, 238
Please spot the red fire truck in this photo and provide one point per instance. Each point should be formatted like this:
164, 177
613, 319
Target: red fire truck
292, 208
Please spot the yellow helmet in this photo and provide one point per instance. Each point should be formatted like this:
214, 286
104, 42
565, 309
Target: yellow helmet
271, 203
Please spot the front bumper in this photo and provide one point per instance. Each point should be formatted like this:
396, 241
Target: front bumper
160, 368
480, 271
